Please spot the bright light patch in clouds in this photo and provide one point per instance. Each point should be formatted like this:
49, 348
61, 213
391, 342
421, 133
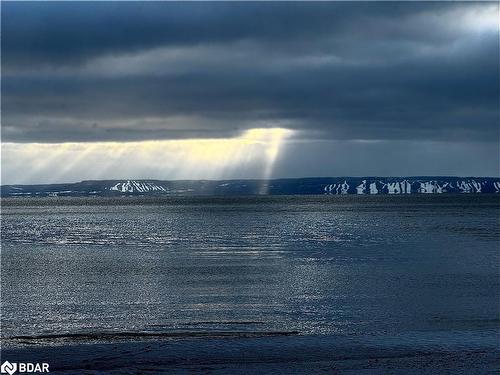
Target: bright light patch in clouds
253, 154
482, 19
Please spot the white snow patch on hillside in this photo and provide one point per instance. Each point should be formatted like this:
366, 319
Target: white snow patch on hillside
496, 184
361, 188
132, 186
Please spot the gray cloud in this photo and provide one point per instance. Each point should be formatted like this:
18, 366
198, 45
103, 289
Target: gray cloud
347, 71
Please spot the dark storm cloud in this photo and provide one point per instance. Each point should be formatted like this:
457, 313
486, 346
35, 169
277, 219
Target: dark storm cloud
124, 71
58, 33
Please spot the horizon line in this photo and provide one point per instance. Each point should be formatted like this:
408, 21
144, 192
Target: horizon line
244, 179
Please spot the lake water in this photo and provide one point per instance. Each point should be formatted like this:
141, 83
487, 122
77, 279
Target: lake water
416, 267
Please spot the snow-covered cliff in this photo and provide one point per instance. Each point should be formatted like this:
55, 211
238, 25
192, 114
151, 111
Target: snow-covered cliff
413, 186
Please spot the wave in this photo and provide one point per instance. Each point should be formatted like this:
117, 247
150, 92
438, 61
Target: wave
124, 335
236, 322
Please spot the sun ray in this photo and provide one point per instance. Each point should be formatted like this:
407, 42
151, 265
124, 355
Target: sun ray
253, 152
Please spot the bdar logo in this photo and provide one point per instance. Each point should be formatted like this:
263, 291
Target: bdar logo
23, 368
8, 367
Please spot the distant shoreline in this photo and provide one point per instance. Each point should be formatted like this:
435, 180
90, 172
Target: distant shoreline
300, 186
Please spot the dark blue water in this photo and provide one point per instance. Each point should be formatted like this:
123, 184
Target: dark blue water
90, 269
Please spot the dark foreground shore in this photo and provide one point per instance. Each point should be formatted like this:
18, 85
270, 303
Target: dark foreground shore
463, 353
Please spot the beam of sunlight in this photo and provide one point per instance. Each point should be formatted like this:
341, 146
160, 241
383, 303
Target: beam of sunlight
251, 155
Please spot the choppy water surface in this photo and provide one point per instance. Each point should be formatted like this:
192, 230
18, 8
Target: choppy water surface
88, 268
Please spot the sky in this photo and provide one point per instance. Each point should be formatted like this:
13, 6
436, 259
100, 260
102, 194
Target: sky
217, 90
